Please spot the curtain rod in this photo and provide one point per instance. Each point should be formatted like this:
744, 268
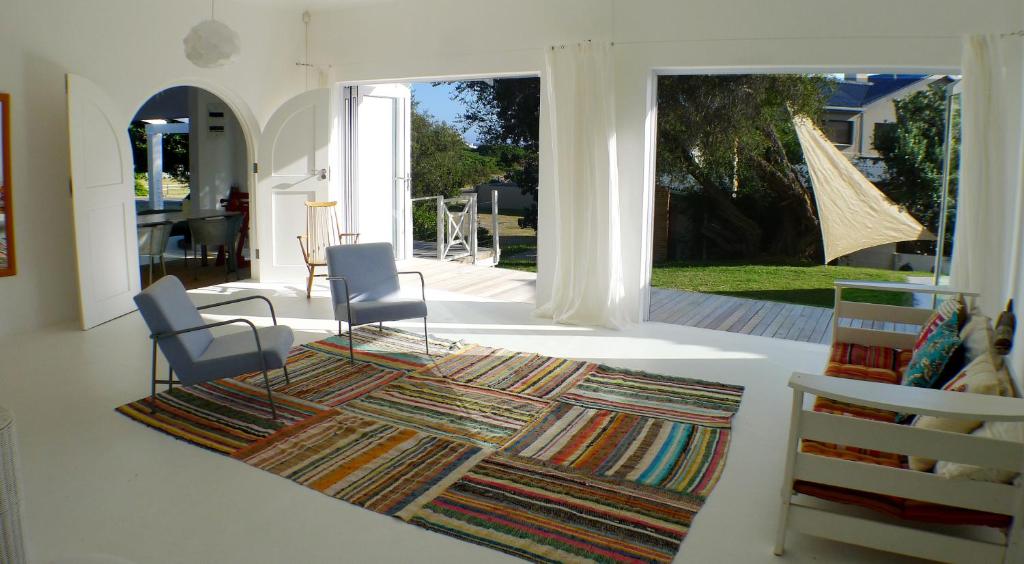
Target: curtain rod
1018, 33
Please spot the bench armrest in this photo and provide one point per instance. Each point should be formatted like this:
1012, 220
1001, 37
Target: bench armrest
903, 287
907, 399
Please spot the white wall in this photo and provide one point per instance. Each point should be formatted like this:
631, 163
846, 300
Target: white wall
132, 49
217, 161
407, 39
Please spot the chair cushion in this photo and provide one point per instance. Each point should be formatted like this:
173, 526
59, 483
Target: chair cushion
903, 508
870, 357
979, 377
931, 357
953, 305
166, 307
1001, 430
235, 353
368, 268
388, 308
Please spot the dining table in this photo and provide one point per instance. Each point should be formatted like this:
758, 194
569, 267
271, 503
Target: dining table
152, 218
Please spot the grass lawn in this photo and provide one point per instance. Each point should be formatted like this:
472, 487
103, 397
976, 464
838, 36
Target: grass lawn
797, 284
508, 260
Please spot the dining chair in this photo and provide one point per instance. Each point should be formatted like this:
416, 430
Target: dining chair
365, 288
214, 232
194, 355
153, 244
322, 231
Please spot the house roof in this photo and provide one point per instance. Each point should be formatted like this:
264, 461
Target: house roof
851, 94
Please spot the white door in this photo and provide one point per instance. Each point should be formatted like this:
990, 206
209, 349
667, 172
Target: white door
379, 164
103, 198
292, 169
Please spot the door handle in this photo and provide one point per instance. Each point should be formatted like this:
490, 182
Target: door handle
320, 173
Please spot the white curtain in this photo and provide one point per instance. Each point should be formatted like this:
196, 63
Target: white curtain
987, 244
587, 285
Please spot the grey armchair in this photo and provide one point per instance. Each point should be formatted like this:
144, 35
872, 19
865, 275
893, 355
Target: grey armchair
191, 350
365, 288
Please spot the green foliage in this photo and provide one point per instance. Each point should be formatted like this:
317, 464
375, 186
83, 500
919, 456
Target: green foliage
729, 141
442, 163
175, 151
506, 112
705, 122
424, 220
913, 151
141, 184
796, 283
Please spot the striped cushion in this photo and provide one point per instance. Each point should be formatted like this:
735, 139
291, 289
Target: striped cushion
870, 357
865, 373
903, 508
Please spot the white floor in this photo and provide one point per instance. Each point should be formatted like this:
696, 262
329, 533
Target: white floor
97, 484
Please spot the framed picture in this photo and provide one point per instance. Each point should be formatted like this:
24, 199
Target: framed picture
7, 264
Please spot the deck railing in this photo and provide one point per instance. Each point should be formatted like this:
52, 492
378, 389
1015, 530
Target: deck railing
457, 226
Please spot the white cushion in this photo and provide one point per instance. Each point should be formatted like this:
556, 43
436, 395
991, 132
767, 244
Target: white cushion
1003, 430
978, 377
977, 339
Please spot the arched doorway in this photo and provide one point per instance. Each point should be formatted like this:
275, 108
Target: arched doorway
191, 155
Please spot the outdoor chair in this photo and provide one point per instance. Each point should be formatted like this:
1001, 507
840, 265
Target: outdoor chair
153, 244
191, 350
365, 289
322, 231
215, 232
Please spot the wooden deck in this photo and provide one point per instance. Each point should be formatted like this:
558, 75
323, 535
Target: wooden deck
500, 284
706, 311
740, 315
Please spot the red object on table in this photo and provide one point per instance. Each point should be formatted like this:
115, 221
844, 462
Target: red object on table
238, 201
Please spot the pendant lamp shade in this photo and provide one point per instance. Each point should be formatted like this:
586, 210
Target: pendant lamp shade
210, 44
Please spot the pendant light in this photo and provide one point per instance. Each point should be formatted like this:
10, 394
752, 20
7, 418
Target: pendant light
210, 43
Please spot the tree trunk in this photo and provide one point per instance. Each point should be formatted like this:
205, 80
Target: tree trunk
734, 232
800, 232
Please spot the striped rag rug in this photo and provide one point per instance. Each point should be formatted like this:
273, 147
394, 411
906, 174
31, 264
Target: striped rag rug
547, 459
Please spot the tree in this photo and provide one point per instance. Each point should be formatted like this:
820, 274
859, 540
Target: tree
731, 138
175, 151
442, 165
506, 112
913, 149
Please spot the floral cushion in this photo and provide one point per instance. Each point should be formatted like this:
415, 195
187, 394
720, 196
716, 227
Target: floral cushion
931, 357
949, 307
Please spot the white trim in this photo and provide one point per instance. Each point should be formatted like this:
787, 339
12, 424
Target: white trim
909, 399
885, 437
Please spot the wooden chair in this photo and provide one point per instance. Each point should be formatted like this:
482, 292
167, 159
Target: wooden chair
322, 230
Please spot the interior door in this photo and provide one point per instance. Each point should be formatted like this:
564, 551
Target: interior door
292, 169
379, 164
103, 199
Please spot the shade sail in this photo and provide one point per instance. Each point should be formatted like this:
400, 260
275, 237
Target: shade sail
853, 212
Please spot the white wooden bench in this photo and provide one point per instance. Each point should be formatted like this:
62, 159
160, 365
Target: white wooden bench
835, 521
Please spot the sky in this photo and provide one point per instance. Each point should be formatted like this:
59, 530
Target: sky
436, 100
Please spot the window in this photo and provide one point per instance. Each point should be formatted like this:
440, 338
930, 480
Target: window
839, 132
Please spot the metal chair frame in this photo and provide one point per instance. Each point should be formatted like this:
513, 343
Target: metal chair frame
380, 324
155, 337
164, 228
